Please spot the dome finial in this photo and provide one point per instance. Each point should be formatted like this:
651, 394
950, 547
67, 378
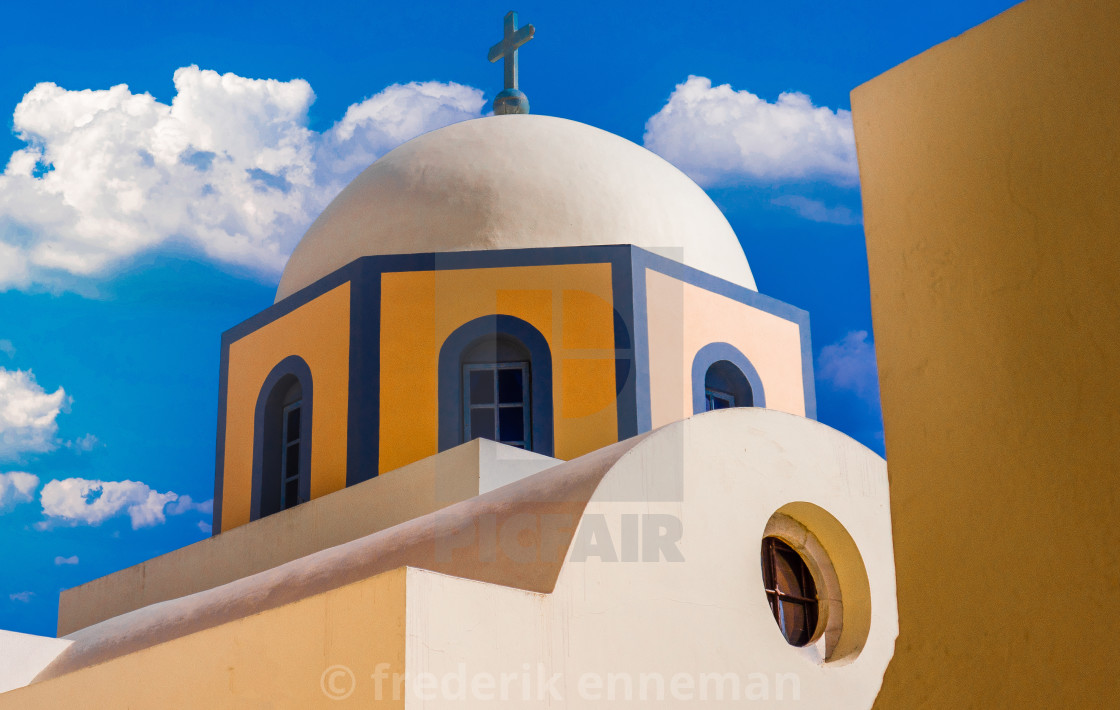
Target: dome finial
511, 99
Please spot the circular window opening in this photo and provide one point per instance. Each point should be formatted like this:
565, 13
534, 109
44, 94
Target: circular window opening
791, 591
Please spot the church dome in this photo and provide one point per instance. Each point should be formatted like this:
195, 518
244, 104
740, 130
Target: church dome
515, 182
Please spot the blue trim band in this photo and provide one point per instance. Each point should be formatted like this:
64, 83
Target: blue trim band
648, 260
713, 353
626, 359
363, 421
451, 386
631, 337
640, 298
220, 450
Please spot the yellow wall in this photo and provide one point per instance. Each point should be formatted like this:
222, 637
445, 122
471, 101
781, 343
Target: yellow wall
319, 332
275, 659
684, 318
990, 179
571, 305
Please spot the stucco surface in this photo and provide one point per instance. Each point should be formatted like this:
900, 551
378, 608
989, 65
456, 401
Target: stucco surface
546, 574
392, 498
569, 304
520, 181
988, 168
683, 318
560, 493
272, 659
318, 332
619, 610
23, 656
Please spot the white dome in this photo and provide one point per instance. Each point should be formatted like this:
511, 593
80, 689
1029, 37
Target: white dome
513, 182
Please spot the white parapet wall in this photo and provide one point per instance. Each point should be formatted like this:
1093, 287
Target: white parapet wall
22, 656
661, 597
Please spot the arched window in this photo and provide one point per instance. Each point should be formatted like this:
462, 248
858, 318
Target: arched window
497, 399
495, 382
722, 377
282, 447
725, 386
290, 446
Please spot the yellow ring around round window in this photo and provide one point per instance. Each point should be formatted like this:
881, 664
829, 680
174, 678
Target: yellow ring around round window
842, 588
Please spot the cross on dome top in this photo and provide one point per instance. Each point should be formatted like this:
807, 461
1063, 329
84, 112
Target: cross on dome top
511, 99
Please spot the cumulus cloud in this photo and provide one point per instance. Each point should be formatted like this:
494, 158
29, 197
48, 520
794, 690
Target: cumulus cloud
817, 211
375, 126
27, 414
17, 487
71, 560
228, 166
85, 443
185, 505
7, 348
849, 364
76, 501
719, 136
205, 527
21, 597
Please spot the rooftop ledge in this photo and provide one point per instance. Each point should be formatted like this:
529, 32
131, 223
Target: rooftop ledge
398, 496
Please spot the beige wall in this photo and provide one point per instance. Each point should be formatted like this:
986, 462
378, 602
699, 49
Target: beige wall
683, 318
620, 606
274, 659
990, 178
379, 503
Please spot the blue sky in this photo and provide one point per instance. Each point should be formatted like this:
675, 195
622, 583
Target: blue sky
120, 267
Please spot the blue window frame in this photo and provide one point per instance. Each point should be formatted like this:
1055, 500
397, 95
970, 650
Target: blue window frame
714, 399
496, 403
501, 344
723, 378
282, 439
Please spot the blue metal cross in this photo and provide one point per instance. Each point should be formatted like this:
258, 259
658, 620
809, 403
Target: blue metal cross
511, 99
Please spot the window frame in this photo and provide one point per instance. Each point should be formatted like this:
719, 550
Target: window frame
268, 436
525, 403
456, 347
712, 354
806, 597
285, 444
711, 395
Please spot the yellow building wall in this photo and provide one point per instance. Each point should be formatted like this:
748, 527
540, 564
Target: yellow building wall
275, 659
318, 332
571, 305
990, 180
684, 318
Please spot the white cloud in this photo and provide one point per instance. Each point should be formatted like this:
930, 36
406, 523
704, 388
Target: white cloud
17, 487
375, 126
77, 501
205, 527
849, 364
817, 211
27, 414
720, 136
229, 166
7, 348
84, 443
22, 597
185, 505
71, 560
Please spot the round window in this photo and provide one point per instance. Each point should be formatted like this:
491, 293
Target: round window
791, 591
